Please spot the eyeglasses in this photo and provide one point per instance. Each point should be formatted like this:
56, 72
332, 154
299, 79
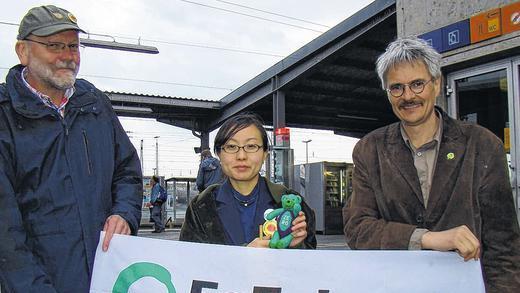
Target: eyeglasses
57, 47
233, 148
416, 86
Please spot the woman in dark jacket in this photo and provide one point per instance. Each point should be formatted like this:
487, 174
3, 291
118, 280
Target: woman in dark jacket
230, 213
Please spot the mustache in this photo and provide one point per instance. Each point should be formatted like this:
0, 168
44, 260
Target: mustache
66, 65
409, 103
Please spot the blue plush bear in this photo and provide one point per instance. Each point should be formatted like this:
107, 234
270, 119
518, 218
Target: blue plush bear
291, 206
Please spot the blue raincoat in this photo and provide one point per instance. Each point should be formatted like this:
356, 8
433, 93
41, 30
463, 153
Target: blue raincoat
60, 178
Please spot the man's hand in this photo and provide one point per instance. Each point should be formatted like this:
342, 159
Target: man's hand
299, 230
459, 238
114, 224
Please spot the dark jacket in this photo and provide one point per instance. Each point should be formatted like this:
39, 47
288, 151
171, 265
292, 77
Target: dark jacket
60, 178
470, 187
209, 173
202, 223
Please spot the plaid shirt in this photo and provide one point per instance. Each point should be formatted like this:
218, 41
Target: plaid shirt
46, 99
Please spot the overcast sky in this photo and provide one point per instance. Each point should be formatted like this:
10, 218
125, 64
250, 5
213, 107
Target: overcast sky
205, 52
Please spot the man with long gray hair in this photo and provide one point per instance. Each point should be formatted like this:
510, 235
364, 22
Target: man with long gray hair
430, 181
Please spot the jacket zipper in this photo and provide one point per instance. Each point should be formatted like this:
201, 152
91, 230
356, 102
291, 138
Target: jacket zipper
63, 123
87, 154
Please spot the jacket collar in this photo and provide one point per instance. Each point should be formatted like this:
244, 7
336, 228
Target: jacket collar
450, 131
452, 145
27, 104
276, 190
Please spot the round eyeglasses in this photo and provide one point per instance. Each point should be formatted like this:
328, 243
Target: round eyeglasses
233, 148
416, 86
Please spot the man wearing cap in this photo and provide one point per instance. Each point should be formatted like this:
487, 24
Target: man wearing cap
68, 170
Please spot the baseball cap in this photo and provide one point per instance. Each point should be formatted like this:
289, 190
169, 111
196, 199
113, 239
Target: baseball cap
47, 20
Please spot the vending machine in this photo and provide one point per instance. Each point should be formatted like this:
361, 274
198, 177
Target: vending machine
326, 187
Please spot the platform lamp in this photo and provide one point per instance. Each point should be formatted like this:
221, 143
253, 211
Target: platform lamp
114, 45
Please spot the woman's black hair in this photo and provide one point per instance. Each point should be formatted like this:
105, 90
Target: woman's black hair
237, 123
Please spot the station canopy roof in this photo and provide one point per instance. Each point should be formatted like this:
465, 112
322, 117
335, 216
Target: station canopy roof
330, 83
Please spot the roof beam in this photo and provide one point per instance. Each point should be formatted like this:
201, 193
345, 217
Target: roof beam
155, 100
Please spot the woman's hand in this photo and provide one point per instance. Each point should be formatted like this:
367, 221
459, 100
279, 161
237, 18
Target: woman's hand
259, 243
299, 230
299, 233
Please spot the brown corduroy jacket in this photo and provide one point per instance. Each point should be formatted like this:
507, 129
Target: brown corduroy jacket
470, 187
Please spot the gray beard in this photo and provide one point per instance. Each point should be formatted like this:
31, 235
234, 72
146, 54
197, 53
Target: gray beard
46, 75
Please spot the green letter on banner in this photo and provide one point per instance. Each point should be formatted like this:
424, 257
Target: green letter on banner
140, 270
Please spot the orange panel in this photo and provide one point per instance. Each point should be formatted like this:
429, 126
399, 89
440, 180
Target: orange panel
485, 25
511, 18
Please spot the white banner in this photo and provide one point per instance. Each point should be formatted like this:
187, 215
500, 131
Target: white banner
135, 264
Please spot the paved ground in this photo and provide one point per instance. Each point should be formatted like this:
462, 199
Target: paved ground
333, 242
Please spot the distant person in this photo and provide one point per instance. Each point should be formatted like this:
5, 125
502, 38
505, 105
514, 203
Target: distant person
430, 181
209, 171
156, 205
67, 167
230, 213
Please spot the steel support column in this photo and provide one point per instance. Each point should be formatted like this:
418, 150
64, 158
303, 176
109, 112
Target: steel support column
282, 155
278, 105
204, 140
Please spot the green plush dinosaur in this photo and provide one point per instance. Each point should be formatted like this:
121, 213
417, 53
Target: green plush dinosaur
291, 206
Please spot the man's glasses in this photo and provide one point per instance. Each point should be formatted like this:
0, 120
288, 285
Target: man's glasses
416, 86
57, 47
233, 148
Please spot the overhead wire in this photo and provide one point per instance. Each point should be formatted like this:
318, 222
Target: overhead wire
149, 81
252, 16
203, 46
158, 82
273, 13
9, 23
